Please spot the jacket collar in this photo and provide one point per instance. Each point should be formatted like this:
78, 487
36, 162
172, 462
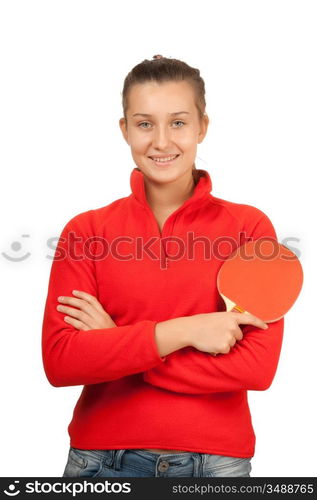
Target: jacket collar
201, 190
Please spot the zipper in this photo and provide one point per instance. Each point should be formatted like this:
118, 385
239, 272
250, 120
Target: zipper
162, 234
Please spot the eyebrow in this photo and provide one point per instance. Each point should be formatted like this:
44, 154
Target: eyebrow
172, 114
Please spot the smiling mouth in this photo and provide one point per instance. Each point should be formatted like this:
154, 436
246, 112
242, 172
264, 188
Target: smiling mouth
164, 161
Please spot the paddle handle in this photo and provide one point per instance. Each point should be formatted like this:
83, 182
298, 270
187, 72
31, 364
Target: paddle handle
231, 306
235, 308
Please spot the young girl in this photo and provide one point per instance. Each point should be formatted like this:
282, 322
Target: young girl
133, 313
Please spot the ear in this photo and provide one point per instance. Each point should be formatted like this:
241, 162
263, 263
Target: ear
123, 126
204, 122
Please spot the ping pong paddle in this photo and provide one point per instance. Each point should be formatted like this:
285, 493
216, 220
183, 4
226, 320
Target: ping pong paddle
261, 277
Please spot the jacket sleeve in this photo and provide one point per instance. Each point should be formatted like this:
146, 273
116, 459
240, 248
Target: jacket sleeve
76, 357
250, 365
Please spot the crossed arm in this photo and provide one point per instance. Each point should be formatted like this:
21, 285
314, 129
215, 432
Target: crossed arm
250, 365
101, 353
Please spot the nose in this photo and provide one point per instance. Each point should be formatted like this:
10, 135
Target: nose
161, 138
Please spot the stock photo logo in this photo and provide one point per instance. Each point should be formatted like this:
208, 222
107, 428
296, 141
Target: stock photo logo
13, 492
16, 246
212, 249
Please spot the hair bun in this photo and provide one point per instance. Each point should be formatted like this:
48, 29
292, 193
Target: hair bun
158, 56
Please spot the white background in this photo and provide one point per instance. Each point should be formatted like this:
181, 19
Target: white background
62, 69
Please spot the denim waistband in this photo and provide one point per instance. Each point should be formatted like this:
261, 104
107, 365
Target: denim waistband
155, 458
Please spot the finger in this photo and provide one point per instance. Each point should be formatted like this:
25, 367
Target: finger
89, 308
89, 298
76, 313
239, 334
80, 303
77, 324
87, 313
250, 319
232, 341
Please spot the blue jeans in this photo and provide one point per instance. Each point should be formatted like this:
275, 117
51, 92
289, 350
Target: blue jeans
139, 463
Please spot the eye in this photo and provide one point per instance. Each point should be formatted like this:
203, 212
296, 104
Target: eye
143, 123
147, 123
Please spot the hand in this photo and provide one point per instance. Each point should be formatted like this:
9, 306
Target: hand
217, 332
89, 313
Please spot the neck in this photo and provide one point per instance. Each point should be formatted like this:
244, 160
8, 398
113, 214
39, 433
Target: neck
170, 196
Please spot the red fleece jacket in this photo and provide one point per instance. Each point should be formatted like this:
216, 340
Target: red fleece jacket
133, 398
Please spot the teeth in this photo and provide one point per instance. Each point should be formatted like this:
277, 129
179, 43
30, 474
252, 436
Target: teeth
162, 160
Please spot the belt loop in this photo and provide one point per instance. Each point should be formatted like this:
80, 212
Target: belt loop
117, 459
197, 457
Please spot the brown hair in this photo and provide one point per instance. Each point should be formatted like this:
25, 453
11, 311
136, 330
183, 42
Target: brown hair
162, 69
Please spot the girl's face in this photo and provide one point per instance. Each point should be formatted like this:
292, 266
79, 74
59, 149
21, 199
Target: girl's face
163, 121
